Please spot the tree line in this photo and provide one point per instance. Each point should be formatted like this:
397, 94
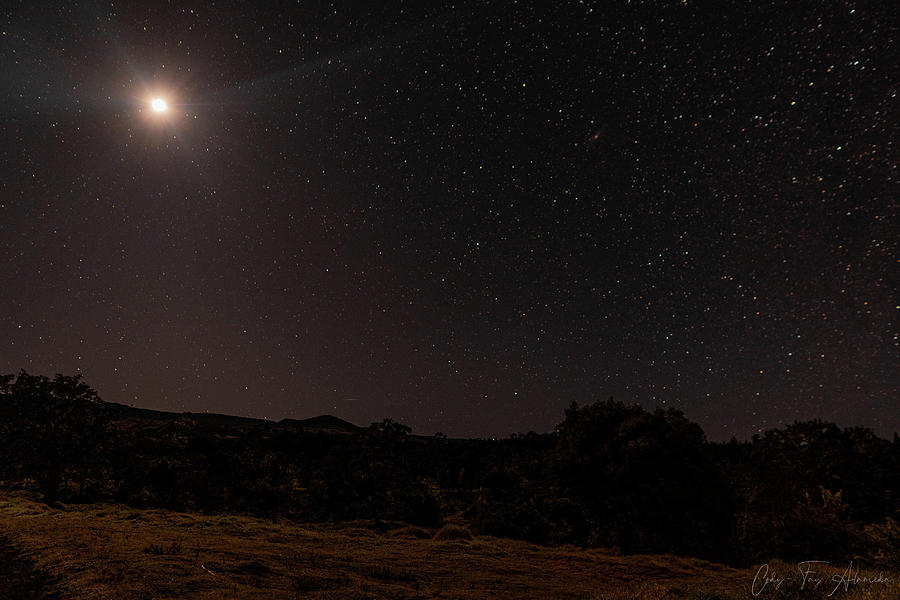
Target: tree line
609, 475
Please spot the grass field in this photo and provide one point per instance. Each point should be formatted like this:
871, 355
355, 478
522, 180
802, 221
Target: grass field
115, 552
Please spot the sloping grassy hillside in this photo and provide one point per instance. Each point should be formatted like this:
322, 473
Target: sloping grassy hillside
111, 551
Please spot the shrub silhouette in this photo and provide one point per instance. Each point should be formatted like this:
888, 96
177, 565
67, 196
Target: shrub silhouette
452, 531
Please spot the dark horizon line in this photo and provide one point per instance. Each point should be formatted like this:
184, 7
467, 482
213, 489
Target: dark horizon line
310, 421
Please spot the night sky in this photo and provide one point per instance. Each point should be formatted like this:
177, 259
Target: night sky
461, 217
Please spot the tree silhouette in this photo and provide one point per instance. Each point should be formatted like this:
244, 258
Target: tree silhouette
56, 429
632, 471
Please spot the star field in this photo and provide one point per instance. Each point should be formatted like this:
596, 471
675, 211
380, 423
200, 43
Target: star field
461, 217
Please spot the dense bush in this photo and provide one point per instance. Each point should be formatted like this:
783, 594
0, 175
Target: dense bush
451, 531
54, 431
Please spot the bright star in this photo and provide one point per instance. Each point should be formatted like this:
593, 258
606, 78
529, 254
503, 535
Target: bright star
159, 105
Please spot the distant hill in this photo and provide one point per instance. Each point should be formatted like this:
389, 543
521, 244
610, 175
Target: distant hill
327, 423
324, 423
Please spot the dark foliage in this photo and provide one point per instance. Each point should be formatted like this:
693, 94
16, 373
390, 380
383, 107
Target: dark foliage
636, 476
54, 431
610, 475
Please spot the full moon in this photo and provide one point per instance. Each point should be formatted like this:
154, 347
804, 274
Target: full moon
159, 105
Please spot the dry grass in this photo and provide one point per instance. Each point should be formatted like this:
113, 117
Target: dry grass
111, 551
411, 531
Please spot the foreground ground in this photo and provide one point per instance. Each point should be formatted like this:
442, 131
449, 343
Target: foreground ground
109, 551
